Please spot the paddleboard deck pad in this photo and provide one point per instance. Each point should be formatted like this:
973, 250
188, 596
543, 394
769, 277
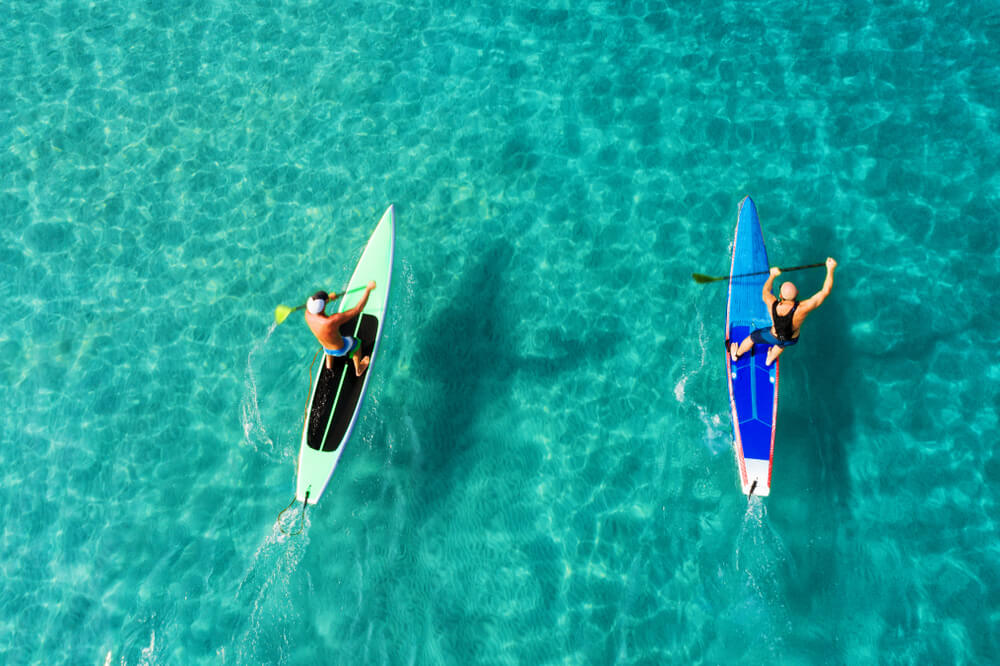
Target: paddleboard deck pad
338, 393
753, 386
338, 390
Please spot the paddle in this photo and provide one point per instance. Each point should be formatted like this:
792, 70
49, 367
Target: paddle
705, 279
282, 311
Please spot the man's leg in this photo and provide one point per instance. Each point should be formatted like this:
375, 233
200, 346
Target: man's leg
360, 364
735, 351
773, 353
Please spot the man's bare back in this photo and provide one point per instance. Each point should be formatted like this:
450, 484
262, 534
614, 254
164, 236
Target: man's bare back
326, 328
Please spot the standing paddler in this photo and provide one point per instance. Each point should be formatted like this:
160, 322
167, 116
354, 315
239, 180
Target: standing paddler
787, 315
326, 328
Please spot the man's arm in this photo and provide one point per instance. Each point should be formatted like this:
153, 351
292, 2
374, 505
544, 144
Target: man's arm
767, 293
356, 310
817, 299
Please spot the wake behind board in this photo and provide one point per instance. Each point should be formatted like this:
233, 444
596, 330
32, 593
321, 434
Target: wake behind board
338, 393
753, 387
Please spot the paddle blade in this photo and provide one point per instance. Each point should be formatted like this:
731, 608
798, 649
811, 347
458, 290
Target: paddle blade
281, 313
704, 279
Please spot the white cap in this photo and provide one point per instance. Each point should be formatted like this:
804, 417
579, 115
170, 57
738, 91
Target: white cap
315, 305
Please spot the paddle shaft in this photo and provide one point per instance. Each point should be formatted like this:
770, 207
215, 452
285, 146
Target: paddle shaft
783, 270
336, 295
704, 278
351, 291
282, 311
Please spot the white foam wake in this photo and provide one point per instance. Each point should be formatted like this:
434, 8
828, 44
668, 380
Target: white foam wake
253, 425
765, 566
269, 588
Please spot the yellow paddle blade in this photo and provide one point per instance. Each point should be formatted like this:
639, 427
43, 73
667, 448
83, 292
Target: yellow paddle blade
281, 313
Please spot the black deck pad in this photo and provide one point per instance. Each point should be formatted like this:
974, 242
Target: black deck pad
323, 412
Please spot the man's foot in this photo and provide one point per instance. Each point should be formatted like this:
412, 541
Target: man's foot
772, 354
362, 365
734, 352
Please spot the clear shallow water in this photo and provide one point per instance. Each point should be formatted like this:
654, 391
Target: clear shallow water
542, 473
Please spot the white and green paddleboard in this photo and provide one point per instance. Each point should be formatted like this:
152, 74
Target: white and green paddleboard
337, 394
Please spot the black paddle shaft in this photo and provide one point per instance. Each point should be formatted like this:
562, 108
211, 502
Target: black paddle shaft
702, 279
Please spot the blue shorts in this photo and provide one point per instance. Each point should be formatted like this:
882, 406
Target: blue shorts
763, 336
350, 348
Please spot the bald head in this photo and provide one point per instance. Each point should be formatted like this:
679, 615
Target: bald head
789, 291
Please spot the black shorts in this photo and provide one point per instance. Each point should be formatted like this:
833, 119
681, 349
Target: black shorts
763, 336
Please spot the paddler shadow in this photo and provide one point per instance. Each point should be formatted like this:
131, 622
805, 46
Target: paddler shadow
471, 364
816, 409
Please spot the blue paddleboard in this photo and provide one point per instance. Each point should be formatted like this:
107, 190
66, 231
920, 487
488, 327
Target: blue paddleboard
753, 387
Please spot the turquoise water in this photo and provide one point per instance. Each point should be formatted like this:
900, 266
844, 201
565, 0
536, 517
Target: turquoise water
542, 473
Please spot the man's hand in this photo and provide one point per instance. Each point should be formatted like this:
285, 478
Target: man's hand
831, 263
371, 285
775, 271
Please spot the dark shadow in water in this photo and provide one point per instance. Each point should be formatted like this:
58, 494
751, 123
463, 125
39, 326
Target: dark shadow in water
817, 407
820, 394
472, 360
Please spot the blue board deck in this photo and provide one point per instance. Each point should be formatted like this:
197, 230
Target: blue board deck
753, 387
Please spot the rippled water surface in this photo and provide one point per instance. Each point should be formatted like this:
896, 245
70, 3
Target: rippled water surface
542, 471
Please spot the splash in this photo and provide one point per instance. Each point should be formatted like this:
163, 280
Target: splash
254, 431
717, 433
763, 566
758, 543
149, 652
269, 588
272, 550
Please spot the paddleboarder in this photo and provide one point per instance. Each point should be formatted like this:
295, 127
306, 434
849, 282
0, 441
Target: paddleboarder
326, 328
787, 315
